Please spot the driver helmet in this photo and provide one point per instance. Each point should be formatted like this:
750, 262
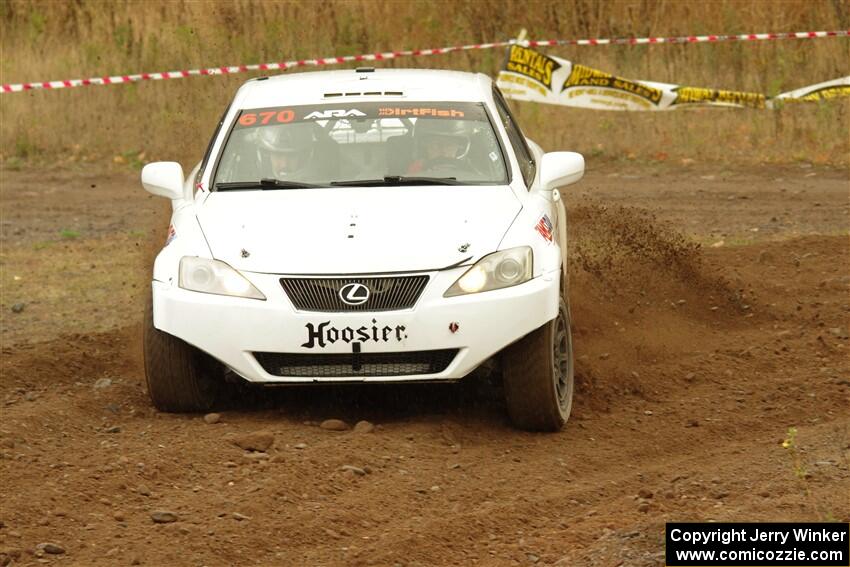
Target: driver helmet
447, 138
289, 147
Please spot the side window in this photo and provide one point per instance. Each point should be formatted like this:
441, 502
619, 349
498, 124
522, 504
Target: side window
523, 153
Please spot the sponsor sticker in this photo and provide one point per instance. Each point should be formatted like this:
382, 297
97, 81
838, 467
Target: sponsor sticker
321, 335
420, 111
544, 227
172, 234
335, 113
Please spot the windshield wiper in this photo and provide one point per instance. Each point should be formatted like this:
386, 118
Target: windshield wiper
396, 180
265, 183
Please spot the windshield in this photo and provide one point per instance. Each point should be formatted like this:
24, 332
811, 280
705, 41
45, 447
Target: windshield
381, 143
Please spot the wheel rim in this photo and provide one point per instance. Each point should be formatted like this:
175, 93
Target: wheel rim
562, 361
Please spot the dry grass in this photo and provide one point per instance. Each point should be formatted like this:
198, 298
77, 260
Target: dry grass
173, 119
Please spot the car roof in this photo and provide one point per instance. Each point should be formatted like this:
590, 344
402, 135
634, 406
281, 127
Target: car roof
327, 87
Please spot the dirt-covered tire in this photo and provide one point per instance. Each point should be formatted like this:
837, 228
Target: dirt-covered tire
180, 378
538, 375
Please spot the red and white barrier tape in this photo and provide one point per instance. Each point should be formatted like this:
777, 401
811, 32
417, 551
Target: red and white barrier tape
690, 38
284, 65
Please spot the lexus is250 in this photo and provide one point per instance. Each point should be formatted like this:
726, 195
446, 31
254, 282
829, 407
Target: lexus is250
364, 226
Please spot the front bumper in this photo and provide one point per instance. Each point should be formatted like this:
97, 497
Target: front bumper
232, 329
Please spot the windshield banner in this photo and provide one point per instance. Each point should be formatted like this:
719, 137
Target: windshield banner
254, 117
530, 75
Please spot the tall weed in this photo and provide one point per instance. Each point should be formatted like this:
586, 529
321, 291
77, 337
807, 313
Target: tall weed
48, 40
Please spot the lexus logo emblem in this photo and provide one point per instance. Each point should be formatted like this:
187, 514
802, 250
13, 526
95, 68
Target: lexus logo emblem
354, 294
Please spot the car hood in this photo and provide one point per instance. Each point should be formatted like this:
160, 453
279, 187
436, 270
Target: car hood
356, 230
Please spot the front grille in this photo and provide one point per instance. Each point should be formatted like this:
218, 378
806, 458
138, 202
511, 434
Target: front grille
356, 365
385, 294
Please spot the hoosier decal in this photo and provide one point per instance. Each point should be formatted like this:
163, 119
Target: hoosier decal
324, 333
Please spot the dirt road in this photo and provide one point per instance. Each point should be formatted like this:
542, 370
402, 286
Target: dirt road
693, 363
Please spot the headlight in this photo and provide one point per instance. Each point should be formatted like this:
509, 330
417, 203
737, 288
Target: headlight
214, 276
495, 271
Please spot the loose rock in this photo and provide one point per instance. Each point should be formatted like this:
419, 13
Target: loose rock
334, 425
240, 517
839, 332
7, 555
253, 457
51, 548
364, 427
163, 517
356, 470
212, 418
256, 441
18, 307
102, 383
766, 257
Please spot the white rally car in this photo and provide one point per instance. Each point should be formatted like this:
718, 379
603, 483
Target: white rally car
364, 226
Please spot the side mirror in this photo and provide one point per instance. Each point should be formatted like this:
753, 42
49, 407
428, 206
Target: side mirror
163, 178
558, 169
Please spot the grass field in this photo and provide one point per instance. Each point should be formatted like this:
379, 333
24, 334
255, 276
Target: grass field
173, 119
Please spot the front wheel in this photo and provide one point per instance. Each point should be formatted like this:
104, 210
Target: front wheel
538, 375
180, 378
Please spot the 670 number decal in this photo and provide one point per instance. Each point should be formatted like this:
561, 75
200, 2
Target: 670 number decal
263, 118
